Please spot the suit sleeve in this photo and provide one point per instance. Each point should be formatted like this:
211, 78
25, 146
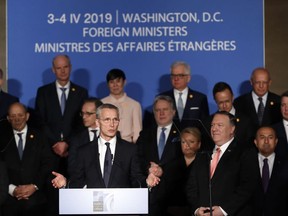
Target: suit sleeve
47, 163
40, 108
141, 141
3, 183
204, 108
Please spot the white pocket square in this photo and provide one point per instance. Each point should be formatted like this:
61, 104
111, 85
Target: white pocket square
194, 108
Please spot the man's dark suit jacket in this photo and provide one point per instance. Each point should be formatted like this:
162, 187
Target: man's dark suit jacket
272, 113
282, 145
75, 143
49, 111
34, 168
148, 148
275, 200
5, 101
231, 185
125, 173
196, 108
3, 184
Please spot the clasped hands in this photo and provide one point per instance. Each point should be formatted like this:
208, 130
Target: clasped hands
205, 211
24, 191
155, 172
60, 148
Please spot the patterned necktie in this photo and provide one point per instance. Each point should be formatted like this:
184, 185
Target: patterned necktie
63, 100
180, 107
260, 110
107, 164
20, 145
162, 140
265, 174
214, 162
95, 134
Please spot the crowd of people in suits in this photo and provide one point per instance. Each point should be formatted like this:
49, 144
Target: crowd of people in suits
232, 162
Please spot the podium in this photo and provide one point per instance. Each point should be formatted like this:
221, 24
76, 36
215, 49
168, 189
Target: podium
103, 201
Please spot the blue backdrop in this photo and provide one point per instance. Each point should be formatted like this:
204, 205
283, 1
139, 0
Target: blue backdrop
222, 40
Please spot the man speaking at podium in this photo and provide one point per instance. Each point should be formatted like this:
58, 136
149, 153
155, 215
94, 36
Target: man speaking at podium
109, 161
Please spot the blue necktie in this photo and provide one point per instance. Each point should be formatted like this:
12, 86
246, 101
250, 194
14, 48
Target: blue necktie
260, 110
20, 145
180, 108
63, 100
161, 144
107, 164
265, 174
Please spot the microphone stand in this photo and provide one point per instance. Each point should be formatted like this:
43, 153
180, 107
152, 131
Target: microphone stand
210, 183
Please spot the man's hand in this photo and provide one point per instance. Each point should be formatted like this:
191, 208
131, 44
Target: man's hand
217, 211
59, 181
202, 211
152, 180
61, 149
24, 191
155, 169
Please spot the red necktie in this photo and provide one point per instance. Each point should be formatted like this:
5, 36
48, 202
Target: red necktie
214, 161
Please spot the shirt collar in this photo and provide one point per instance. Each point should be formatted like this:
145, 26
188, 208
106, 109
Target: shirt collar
184, 91
24, 130
67, 86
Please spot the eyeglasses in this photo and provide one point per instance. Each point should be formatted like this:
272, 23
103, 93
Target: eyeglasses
109, 120
261, 82
180, 76
87, 113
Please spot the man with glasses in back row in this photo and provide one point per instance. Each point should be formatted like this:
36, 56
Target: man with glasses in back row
88, 134
191, 105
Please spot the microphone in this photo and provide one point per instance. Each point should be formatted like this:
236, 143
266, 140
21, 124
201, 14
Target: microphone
202, 125
208, 154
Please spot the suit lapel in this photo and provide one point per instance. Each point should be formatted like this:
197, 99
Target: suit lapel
224, 160
152, 150
95, 152
53, 98
117, 163
72, 95
171, 147
250, 105
275, 171
28, 145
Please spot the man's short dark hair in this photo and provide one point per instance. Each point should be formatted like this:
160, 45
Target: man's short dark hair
94, 100
284, 94
221, 86
1, 73
231, 117
114, 74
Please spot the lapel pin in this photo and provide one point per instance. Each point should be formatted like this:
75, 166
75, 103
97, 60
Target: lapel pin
73, 89
237, 120
190, 96
31, 136
174, 132
271, 103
